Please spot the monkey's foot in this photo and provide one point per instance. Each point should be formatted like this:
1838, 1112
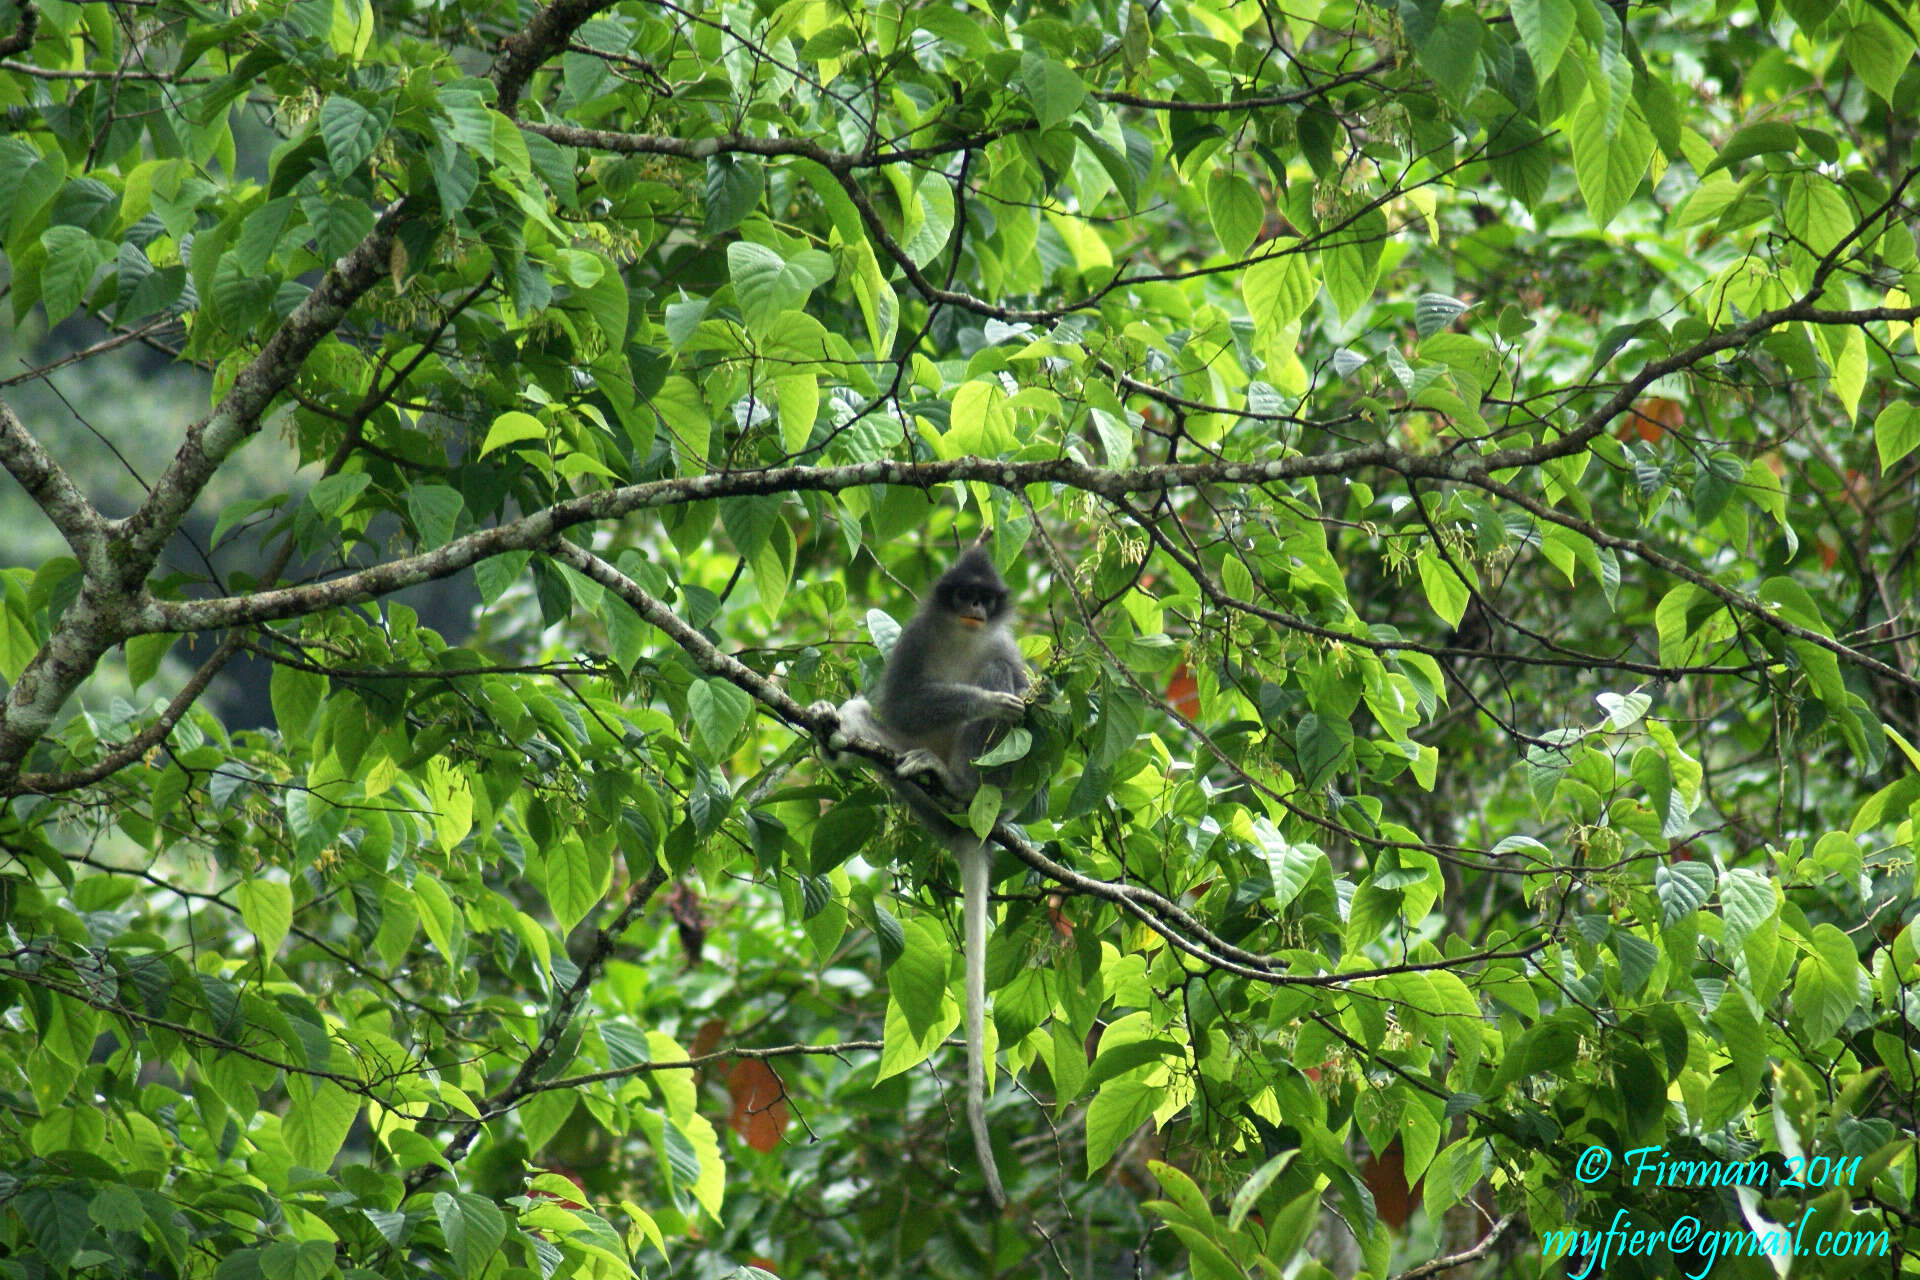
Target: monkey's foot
921, 761
855, 724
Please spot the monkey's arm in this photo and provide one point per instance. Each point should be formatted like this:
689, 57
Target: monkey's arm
859, 723
945, 702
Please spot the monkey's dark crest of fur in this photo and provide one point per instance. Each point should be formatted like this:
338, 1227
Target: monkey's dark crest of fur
954, 680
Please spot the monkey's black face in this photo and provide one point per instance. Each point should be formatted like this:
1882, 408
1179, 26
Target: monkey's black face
974, 603
971, 592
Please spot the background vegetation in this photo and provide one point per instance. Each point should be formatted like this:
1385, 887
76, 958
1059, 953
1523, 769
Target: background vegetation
1456, 465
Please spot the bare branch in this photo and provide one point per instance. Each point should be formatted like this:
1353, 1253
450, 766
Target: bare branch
50, 487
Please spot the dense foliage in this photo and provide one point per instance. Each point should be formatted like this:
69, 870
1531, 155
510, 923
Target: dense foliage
1457, 465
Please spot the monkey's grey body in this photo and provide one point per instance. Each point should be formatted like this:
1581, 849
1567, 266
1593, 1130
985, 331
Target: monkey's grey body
953, 679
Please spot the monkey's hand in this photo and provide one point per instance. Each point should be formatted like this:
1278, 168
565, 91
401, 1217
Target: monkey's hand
997, 704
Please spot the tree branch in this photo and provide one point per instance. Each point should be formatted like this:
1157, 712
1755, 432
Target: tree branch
50, 487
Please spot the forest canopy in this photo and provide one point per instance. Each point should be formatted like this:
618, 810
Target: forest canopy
1455, 465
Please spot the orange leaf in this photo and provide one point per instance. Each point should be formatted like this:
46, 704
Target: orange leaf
759, 1112
1057, 917
708, 1037
1183, 691
1651, 418
1386, 1177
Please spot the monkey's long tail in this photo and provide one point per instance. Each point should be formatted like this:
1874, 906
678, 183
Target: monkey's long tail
974, 865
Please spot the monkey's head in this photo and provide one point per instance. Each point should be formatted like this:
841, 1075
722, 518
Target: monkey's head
972, 591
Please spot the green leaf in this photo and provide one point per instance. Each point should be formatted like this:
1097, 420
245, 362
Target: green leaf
718, 709
1672, 626
1521, 161
733, 188
1433, 312
436, 512
917, 980
297, 1260
1324, 746
798, 399
117, 1208
905, 1048
473, 1227
436, 915
240, 298
512, 427
767, 282
1446, 593
1052, 88
879, 304
351, 133
1767, 137
295, 695
1121, 1107
1880, 54
606, 300
1545, 27
456, 176
1683, 888
1850, 371
1117, 163
576, 880
1817, 213
1352, 264
1896, 432
1235, 209
151, 293
319, 1117
1256, 1186
981, 422
1609, 167
267, 907
1747, 900
260, 233
451, 791
1451, 54
72, 257
1623, 710
332, 495
1118, 1060
56, 1220
932, 212
144, 654
496, 573
1826, 988
1277, 290
237, 513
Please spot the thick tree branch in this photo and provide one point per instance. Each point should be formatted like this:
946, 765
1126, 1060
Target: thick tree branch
523, 52
234, 421
50, 487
